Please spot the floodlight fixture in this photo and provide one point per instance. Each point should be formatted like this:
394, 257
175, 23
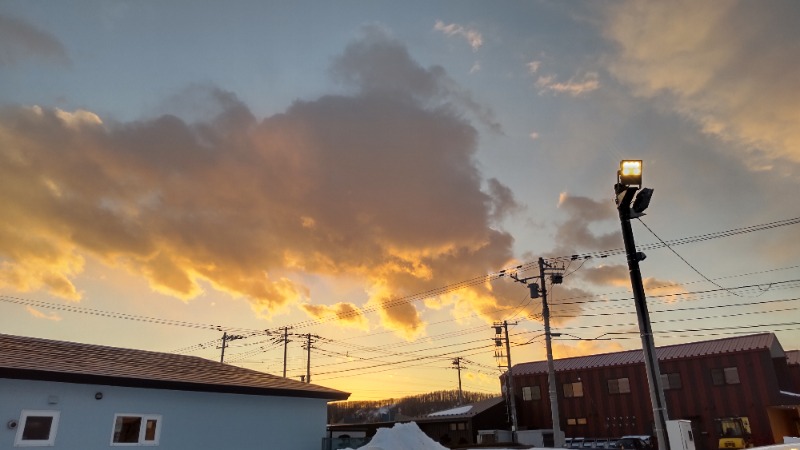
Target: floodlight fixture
642, 200
630, 172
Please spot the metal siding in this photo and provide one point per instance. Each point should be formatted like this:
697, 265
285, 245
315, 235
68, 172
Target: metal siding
697, 400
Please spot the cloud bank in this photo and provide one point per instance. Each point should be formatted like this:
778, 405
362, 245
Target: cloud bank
726, 67
381, 185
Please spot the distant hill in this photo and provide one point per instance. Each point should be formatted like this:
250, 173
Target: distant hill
394, 409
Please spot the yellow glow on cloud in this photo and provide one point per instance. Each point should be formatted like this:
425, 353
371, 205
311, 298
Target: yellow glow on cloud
40, 315
257, 209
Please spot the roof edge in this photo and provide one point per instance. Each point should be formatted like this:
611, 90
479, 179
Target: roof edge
78, 378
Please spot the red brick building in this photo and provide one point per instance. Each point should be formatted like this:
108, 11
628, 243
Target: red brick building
607, 395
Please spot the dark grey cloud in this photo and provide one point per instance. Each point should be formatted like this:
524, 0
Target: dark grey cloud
20, 41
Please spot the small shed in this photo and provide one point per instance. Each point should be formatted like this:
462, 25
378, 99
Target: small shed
459, 426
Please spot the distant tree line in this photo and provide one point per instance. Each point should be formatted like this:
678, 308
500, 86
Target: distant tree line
402, 408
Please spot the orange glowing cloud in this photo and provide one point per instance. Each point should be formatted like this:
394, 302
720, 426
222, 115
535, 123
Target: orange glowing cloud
346, 314
380, 186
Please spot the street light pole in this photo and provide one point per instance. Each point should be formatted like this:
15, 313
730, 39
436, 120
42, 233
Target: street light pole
624, 196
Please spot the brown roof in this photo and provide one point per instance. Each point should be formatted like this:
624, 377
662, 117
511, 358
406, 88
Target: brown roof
43, 359
763, 341
793, 357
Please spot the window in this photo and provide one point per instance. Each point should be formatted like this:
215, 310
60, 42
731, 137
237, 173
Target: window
619, 386
531, 393
576, 421
37, 429
671, 381
728, 375
136, 429
731, 375
573, 389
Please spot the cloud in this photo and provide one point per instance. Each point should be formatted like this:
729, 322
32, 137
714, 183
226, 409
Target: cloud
533, 66
472, 36
575, 86
40, 315
376, 64
346, 314
619, 276
20, 41
574, 234
730, 68
381, 185
584, 348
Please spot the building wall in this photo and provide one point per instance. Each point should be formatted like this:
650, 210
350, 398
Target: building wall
599, 413
189, 420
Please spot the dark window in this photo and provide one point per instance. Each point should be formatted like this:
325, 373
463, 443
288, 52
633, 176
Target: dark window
136, 429
619, 386
37, 428
126, 431
531, 393
536, 393
728, 375
671, 380
573, 389
731, 375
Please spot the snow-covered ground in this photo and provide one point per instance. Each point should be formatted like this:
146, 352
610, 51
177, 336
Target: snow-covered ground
408, 436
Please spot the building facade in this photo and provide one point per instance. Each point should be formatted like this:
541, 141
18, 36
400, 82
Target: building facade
607, 396
69, 396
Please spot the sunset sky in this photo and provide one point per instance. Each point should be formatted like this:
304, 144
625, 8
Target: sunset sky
361, 171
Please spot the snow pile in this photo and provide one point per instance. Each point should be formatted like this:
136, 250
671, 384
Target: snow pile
402, 436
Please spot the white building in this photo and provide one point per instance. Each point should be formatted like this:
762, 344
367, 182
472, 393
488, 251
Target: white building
77, 396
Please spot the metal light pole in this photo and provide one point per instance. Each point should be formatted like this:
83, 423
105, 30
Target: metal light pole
630, 173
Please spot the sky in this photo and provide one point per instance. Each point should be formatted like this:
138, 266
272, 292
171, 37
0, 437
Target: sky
359, 174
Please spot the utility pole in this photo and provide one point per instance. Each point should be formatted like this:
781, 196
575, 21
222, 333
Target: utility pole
457, 363
308, 362
556, 277
225, 339
551, 372
630, 173
286, 341
499, 328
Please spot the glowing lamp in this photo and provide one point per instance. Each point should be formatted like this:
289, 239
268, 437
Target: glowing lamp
630, 172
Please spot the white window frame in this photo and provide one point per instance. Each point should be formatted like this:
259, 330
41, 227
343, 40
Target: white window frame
23, 418
142, 430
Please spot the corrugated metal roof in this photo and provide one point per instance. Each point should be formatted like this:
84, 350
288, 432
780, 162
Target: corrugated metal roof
679, 351
475, 409
793, 357
43, 359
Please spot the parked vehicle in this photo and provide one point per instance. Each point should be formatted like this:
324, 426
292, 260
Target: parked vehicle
734, 433
633, 443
